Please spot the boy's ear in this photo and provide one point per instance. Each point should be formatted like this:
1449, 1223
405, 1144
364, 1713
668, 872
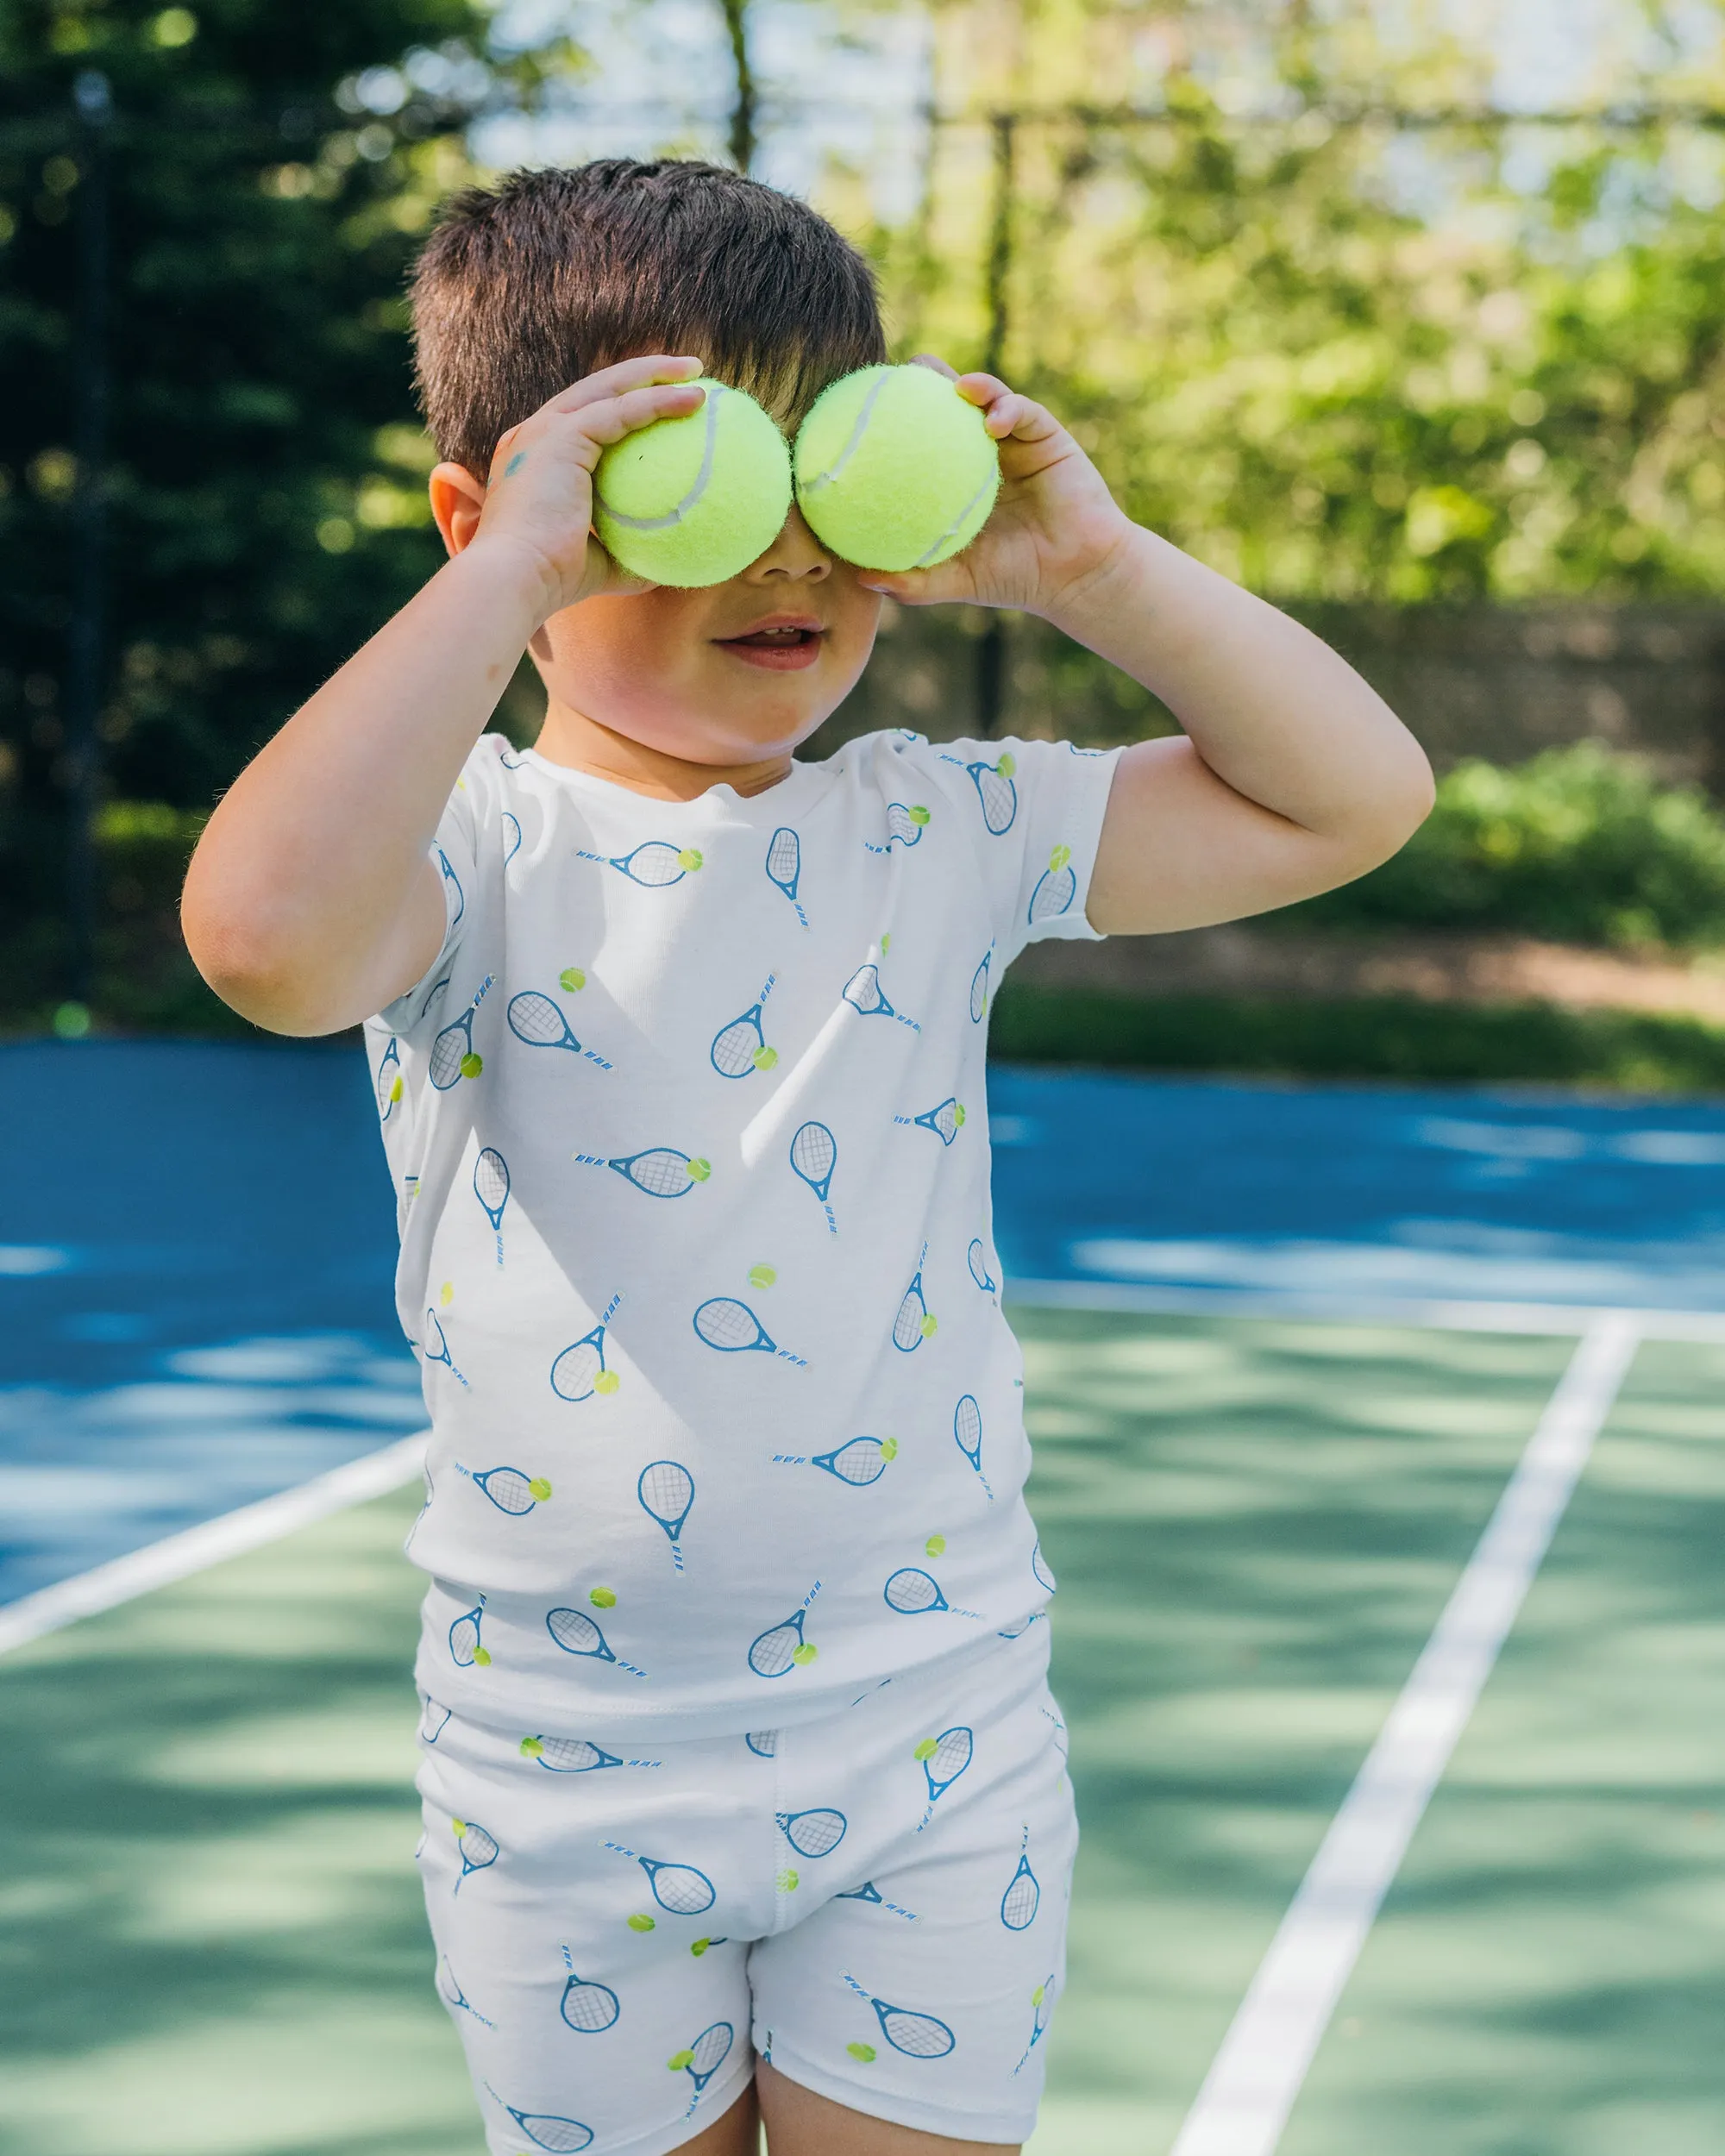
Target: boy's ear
457, 502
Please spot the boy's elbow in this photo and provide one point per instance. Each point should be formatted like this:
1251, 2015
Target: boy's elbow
1399, 802
255, 972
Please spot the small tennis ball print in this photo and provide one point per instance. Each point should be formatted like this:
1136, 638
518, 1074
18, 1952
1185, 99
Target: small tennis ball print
539, 1488
889, 1447
1058, 859
446, 1294
934, 1547
458, 1827
931, 1324
925, 1750
918, 814
641, 1923
803, 1655
886, 943
1035, 1997
700, 1170
864, 2055
531, 1747
571, 979
762, 1276
606, 1381
471, 1063
603, 1598
788, 1880
482, 1658
699, 1946
1007, 764
396, 1091
679, 2060
690, 859
764, 1058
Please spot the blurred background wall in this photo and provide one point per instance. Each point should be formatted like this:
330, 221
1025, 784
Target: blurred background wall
1408, 315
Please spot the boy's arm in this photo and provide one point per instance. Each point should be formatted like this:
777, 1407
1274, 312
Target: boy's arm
311, 900
1292, 776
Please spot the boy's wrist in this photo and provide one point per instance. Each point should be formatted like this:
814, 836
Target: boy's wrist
1117, 572
510, 583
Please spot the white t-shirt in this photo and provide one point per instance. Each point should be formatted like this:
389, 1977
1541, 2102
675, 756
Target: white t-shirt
689, 1135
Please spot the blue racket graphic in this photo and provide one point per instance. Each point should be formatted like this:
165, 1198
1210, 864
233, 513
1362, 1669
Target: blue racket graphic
679, 1887
454, 899
979, 987
1042, 2013
434, 1344
945, 1119
967, 1430
538, 1022
1039, 1565
916, 2035
1056, 889
782, 1645
452, 1054
870, 1893
740, 1046
391, 1086
433, 1720
588, 2008
815, 1833
977, 1259
906, 824
567, 2137
466, 1648
580, 1371
512, 835
859, 1462
1023, 1897
785, 865
913, 1324
449, 1991
434, 995
511, 1490
814, 1155
944, 1759
662, 1171
863, 992
655, 866
477, 1848
570, 1755
667, 1490
1021, 1626
491, 1188
575, 1633
703, 2058
996, 793
914, 1593
763, 1742
732, 1328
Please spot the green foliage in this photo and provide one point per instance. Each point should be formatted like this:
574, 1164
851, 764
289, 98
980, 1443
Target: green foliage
1579, 844
1375, 1037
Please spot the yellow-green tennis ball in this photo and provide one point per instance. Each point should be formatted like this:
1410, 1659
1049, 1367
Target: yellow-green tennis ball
894, 469
695, 500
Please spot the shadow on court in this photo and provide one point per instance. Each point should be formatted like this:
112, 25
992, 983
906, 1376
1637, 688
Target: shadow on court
211, 1932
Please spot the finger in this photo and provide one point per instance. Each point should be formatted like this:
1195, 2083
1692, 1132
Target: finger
978, 388
625, 374
602, 423
932, 359
946, 581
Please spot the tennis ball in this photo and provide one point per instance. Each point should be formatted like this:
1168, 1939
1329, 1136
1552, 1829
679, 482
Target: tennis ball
699, 1946
571, 979
531, 1747
762, 1276
788, 1880
603, 1598
925, 1750
700, 1170
889, 1447
805, 1654
606, 1381
894, 469
641, 1924
472, 1065
539, 1488
935, 1545
695, 500
862, 2053
679, 2060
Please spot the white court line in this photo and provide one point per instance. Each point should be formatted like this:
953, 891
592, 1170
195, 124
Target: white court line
1148, 1299
1251, 2087
177, 1556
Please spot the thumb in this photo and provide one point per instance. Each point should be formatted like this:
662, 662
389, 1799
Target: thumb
921, 587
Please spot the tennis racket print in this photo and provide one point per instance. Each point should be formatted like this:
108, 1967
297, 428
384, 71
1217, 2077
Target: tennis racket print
570, 1755
979, 987
536, 1020
864, 994
1056, 889
565, 2137
680, 1889
996, 793
655, 866
913, 1324
870, 1893
977, 1259
434, 1345
1023, 1897
512, 835
589, 2009
433, 1720
946, 1120
575, 1633
860, 1462
468, 1650
391, 1086
814, 1155
916, 2035
732, 1328
785, 865
944, 1759
491, 1188
782, 1646
478, 1849
454, 901
667, 1491
815, 1833
511, 1490
580, 1371
740, 1046
1042, 2013
906, 824
660, 1172
967, 1431
449, 1991
913, 1593
763, 1742
1038, 1564
702, 2059
453, 1054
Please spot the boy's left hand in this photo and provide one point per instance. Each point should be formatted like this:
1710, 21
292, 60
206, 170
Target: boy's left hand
1054, 523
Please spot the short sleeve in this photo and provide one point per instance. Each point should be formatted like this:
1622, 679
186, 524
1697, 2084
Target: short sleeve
455, 854
1036, 809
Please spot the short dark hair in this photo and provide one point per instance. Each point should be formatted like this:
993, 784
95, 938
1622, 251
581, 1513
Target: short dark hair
524, 287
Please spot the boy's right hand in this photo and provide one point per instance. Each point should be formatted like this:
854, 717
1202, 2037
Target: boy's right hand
538, 500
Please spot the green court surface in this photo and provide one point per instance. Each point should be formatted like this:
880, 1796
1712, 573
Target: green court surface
210, 1927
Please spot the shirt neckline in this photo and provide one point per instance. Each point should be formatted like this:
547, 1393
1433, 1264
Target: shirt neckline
720, 795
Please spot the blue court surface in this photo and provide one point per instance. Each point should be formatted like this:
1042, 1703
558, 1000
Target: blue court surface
1381, 1455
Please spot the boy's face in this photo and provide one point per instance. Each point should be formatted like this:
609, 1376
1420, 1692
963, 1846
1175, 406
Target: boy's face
728, 674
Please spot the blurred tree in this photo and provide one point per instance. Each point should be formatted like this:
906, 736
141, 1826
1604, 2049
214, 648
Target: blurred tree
270, 171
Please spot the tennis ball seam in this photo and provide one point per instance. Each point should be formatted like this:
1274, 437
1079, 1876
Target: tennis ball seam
709, 447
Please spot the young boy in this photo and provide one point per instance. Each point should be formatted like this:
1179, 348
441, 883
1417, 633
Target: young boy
745, 1795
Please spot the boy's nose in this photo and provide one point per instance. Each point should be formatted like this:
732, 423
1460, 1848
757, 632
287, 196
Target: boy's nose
795, 555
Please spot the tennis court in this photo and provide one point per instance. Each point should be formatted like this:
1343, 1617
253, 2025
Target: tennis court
1289, 1352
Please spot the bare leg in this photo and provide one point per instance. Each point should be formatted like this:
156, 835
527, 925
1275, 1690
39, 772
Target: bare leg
801, 2123
737, 2133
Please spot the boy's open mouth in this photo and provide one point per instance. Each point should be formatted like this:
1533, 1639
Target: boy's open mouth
783, 643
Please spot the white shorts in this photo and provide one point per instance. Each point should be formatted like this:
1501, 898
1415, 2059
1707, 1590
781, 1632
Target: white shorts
876, 1902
